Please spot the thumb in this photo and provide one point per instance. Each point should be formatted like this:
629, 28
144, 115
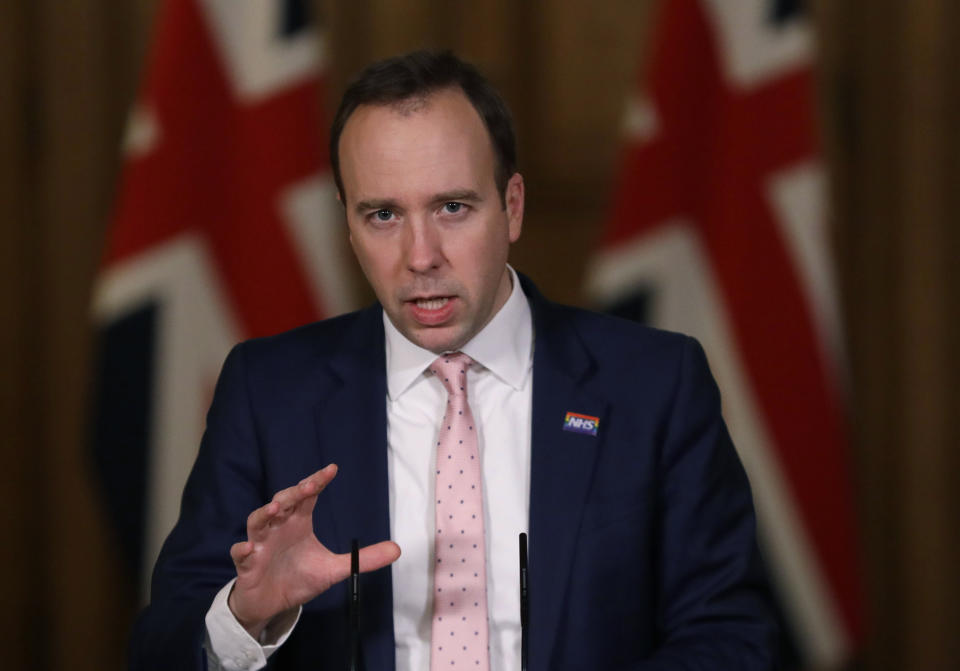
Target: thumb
378, 555
372, 557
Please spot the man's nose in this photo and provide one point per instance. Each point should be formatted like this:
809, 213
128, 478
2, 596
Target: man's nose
424, 251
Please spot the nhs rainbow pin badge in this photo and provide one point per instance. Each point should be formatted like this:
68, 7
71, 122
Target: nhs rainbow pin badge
578, 423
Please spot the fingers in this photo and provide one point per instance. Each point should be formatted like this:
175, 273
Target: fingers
310, 486
286, 501
259, 520
240, 552
306, 489
322, 477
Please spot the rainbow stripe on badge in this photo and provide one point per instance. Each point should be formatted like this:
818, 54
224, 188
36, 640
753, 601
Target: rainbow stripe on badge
578, 423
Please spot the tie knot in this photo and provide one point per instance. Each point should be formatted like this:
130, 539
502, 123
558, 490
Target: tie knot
452, 371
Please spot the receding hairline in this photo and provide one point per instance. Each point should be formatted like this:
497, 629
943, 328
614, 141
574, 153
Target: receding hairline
416, 103
408, 106
406, 82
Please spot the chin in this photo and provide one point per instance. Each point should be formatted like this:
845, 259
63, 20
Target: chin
439, 347
438, 343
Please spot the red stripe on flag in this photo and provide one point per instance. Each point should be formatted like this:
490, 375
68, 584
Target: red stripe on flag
710, 160
219, 169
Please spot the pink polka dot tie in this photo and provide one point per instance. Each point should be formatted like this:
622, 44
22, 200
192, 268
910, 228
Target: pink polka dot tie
460, 638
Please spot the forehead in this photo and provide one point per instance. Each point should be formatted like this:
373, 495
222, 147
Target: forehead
416, 147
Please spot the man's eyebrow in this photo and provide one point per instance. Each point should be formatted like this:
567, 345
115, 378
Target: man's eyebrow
468, 195
465, 195
375, 204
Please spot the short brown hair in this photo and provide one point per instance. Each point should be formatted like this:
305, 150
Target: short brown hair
417, 75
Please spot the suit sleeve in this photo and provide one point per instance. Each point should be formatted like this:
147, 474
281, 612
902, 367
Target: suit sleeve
194, 563
714, 608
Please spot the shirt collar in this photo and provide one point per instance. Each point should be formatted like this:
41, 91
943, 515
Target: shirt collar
504, 346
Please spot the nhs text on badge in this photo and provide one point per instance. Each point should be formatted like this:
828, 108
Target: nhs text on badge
578, 423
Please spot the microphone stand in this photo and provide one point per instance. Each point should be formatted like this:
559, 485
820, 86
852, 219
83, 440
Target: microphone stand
354, 607
524, 602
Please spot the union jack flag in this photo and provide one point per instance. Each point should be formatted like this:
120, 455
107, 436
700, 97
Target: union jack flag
226, 227
718, 229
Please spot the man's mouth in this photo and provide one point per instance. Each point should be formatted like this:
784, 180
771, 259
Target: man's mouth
431, 303
432, 310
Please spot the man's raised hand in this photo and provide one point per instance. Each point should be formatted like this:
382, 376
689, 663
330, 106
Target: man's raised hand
282, 565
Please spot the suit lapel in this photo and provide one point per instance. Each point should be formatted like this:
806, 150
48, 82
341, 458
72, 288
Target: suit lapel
352, 432
562, 463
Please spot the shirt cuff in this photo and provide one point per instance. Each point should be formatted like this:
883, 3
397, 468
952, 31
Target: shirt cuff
230, 647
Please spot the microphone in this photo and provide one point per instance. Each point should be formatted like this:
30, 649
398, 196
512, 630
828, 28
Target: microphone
524, 602
354, 607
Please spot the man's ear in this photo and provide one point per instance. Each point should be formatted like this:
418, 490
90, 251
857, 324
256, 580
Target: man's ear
513, 197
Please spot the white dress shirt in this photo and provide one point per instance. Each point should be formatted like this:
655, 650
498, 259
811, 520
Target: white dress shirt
499, 390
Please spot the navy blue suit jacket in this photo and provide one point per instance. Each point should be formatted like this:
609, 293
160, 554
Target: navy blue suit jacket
642, 538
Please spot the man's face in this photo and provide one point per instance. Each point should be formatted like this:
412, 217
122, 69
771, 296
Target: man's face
425, 217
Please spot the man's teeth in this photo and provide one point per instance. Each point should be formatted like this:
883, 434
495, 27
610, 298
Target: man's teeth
431, 303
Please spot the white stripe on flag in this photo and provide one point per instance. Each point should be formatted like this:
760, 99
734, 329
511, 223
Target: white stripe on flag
672, 262
258, 61
315, 220
753, 51
799, 198
195, 330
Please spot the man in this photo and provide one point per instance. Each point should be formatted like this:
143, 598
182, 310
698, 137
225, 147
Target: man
601, 438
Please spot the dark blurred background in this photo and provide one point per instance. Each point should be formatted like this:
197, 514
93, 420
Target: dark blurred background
889, 95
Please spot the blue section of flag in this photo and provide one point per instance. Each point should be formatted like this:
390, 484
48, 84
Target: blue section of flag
635, 305
121, 424
296, 17
783, 11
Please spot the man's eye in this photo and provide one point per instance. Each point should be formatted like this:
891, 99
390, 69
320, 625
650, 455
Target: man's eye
452, 208
383, 215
